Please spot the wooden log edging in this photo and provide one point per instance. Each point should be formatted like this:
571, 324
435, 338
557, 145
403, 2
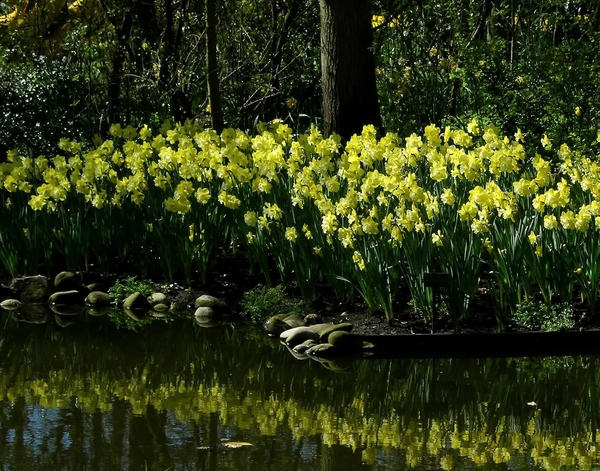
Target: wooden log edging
485, 344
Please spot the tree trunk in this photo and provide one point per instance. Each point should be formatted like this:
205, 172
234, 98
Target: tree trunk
347, 67
212, 72
116, 72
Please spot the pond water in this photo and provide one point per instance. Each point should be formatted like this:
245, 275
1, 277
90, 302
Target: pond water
80, 394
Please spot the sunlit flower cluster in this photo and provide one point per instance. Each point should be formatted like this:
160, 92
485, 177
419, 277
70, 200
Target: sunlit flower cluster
358, 203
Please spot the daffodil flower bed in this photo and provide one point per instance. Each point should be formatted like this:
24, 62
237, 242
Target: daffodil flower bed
374, 215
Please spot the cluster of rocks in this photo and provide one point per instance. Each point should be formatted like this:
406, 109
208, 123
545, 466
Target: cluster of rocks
209, 310
67, 288
309, 337
70, 293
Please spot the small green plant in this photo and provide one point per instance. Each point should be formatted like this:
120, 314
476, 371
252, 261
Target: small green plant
262, 302
124, 287
536, 315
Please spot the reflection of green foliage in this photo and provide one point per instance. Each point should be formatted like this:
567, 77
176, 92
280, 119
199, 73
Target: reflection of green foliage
130, 321
263, 302
126, 286
406, 412
539, 316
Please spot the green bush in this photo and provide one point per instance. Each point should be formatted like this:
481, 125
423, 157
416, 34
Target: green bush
536, 315
262, 302
125, 287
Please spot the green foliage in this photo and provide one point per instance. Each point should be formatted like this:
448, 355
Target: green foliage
40, 102
527, 65
262, 302
535, 315
125, 287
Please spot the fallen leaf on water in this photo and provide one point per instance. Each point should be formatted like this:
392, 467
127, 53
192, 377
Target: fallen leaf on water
236, 444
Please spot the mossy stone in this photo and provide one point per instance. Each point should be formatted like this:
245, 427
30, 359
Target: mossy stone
318, 328
287, 333
136, 301
31, 289
312, 319
345, 341
274, 325
98, 299
177, 308
300, 334
11, 304
207, 300
157, 298
161, 307
67, 280
293, 320
324, 333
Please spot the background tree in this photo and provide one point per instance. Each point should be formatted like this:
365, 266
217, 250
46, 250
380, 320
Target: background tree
347, 67
212, 71
71, 68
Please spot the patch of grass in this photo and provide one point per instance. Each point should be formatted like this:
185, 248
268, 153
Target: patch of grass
262, 302
124, 287
536, 315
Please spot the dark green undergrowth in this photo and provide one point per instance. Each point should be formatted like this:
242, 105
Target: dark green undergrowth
125, 287
262, 302
535, 315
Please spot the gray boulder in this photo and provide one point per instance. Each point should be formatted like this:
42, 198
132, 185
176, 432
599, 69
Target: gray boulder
274, 325
312, 319
286, 333
293, 320
345, 342
31, 289
66, 281
11, 304
157, 298
324, 330
136, 301
298, 335
207, 300
98, 299
177, 308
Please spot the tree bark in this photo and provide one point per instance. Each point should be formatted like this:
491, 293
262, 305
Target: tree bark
347, 67
212, 72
